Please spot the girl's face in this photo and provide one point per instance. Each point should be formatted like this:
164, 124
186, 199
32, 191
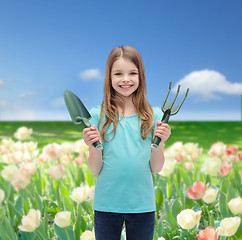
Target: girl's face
124, 77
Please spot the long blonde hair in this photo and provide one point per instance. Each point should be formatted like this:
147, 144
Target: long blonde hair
111, 101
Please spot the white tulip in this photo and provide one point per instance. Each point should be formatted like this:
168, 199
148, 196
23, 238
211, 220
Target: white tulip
80, 194
57, 172
168, 168
31, 221
188, 219
212, 166
9, 172
88, 235
23, 133
229, 226
63, 219
210, 195
235, 205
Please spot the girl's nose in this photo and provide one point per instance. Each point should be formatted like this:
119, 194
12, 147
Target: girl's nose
125, 78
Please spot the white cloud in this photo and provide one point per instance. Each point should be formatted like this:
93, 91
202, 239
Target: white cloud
90, 74
58, 102
2, 84
26, 95
206, 84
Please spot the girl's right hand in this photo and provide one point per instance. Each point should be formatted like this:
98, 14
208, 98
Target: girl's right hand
91, 135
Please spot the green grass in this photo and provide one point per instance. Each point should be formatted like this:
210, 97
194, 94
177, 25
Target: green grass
205, 133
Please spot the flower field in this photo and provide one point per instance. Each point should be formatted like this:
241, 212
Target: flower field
46, 187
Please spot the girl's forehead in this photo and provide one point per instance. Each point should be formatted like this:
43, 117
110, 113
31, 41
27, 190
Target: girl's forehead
123, 64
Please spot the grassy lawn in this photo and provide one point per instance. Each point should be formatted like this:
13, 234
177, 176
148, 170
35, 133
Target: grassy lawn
204, 133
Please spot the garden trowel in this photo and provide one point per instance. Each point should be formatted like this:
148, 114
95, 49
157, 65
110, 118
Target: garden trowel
79, 113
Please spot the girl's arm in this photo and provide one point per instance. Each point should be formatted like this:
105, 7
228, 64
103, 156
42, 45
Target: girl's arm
157, 158
91, 135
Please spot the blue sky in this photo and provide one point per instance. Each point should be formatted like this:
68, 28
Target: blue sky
47, 47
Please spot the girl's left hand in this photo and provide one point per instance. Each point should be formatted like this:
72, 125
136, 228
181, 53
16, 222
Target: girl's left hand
162, 130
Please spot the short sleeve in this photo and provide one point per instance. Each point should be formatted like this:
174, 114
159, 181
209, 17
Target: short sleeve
157, 115
95, 113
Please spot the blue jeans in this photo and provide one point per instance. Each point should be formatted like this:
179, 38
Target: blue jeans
139, 226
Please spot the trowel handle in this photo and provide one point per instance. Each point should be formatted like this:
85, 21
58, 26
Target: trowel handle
98, 146
156, 141
87, 124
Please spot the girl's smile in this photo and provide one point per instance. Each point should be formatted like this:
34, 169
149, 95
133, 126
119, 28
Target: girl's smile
124, 77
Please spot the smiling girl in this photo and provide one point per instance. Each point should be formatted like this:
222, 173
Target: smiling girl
125, 123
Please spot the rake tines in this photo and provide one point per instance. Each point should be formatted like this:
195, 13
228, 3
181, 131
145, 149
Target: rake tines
168, 109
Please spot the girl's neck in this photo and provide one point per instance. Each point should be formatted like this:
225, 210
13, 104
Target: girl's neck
129, 108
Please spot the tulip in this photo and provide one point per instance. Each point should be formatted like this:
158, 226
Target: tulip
81, 147
31, 221
7, 143
88, 235
180, 158
52, 151
235, 205
225, 169
188, 219
240, 156
197, 190
217, 149
229, 226
78, 160
57, 172
67, 148
2, 194
168, 168
80, 194
208, 234
63, 219
189, 165
161, 238
231, 149
210, 195
21, 179
23, 133
29, 166
212, 166
9, 172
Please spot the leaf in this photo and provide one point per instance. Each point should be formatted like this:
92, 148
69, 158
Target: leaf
6, 227
159, 197
64, 233
51, 208
27, 235
168, 190
176, 208
231, 193
224, 185
223, 205
80, 224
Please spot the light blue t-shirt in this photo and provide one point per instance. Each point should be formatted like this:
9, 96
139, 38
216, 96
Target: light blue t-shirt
125, 183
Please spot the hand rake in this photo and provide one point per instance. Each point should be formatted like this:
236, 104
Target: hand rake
168, 110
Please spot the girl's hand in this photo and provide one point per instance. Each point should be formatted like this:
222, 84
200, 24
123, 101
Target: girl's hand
162, 130
91, 135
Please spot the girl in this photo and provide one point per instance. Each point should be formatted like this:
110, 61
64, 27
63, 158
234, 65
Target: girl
125, 124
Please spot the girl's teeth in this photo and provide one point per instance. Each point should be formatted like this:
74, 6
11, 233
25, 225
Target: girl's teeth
125, 86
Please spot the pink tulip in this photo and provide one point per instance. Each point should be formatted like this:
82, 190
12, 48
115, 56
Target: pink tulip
231, 149
208, 234
197, 190
225, 169
179, 158
240, 156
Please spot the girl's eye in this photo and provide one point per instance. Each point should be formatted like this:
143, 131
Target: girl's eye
133, 73
117, 74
